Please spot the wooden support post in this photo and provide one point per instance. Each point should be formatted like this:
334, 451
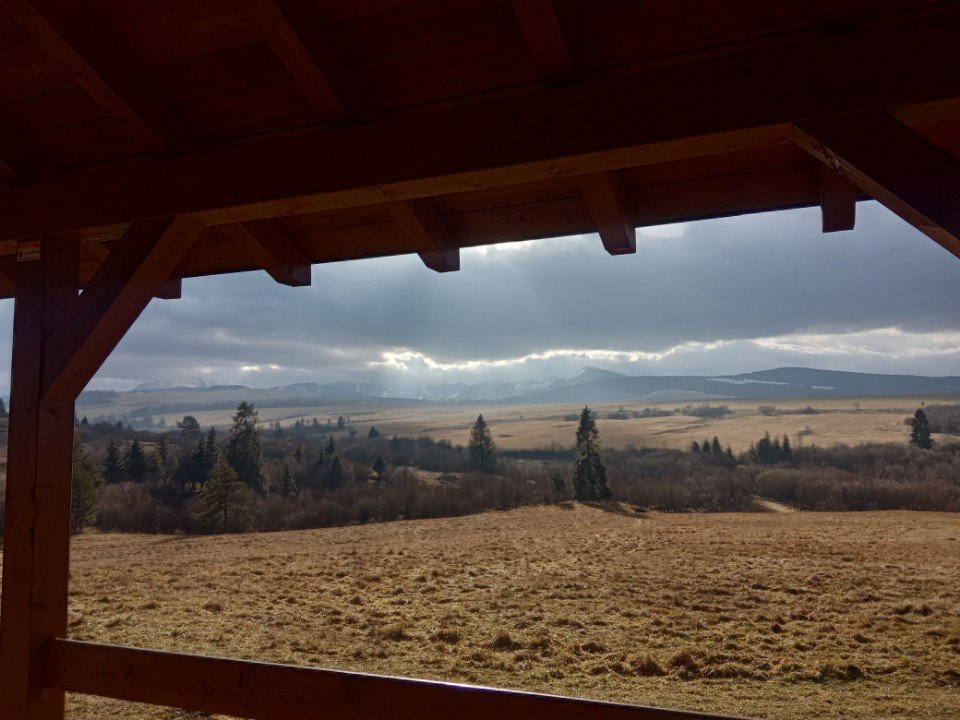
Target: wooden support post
36, 550
610, 213
424, 228
893, 163
838, 200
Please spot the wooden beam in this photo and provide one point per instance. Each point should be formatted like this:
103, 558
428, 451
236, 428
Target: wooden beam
36, 549
838, 200
265, 691
913, 177
294, 30
425, 229
172, 289
603, 125
116, 295
273, 250
74, 37
610, 212
544, 36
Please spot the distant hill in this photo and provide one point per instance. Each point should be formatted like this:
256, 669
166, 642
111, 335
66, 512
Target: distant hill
588, 385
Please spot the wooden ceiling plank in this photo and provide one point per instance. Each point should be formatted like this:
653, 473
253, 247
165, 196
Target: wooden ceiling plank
838, 200
142, 262
565, 132
424, 228
76, 40
266, 244
544, 38
913, 177
611, 215
295, 32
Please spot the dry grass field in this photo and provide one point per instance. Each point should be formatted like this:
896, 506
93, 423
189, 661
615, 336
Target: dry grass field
779, 615
528, 426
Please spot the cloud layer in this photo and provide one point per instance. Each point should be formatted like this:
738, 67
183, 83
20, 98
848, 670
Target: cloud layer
717, 296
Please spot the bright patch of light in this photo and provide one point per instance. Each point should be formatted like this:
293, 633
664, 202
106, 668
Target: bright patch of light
404, 359
249, 368
890, 343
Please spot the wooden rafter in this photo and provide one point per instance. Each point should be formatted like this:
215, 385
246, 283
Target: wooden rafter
838, 200
143, 261
76, 40
891, 162
267, 691
544, 37
610, 212
296, 34
591, 127
425, 229
273, 250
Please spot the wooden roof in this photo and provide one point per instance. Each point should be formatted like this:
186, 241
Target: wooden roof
302, 131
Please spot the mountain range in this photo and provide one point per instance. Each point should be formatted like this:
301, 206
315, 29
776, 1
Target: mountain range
592, 384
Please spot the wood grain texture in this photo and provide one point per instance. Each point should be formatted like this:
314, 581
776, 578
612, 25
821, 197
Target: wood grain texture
914, 178
144, 260
838, 200
611, 215
597, 126
267, 245
36, 535
268, 691
422, 225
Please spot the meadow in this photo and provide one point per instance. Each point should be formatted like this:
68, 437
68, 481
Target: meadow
777, 615
843, 420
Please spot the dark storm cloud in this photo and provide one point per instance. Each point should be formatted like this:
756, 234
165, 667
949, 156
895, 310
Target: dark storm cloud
727, 280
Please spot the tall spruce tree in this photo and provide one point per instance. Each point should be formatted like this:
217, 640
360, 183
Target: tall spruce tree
135, 463
113, 465
285, 484
189, 427
226, 501
161, 464
244, 451
85, 490
481, 450
920, 430
589, 472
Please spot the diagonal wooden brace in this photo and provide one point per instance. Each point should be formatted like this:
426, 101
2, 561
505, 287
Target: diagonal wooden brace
142, 262
890, 161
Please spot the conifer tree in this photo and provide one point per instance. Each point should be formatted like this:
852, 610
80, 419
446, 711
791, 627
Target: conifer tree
189, 427
380, 468
113, 465
160, 462
286, 485
695, 447
244, 451
135, 463
715, 447
786, 452
226, 501
330, 449
589, 472
85, 490
374, 433
920, 430
481, 450
335, 476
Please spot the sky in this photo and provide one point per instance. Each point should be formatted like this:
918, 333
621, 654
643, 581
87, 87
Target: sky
715, 297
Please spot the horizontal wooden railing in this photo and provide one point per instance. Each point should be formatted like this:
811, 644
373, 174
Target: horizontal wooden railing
268, 691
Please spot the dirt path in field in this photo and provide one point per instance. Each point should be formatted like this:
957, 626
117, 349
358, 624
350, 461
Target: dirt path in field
774, 506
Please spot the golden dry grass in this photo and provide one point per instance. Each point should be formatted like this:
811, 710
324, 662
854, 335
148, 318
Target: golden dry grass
797, 615
528, 426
